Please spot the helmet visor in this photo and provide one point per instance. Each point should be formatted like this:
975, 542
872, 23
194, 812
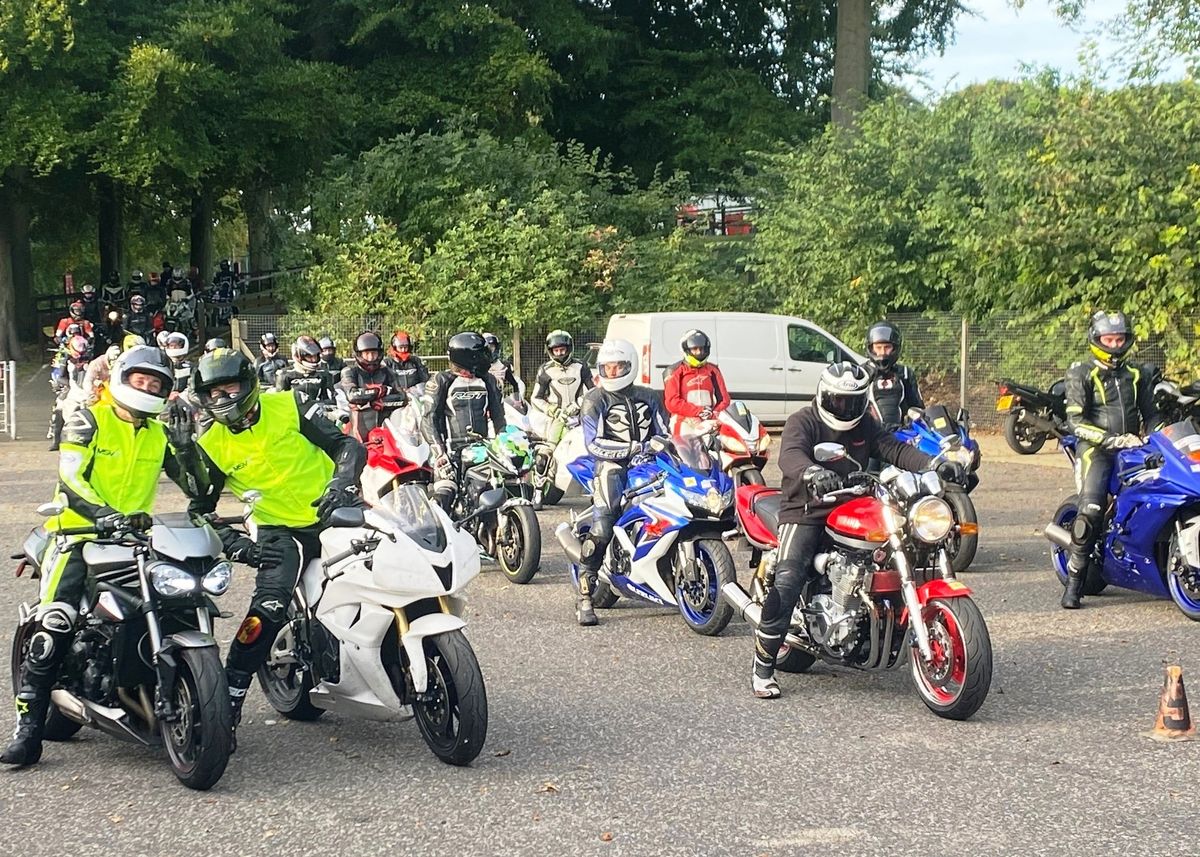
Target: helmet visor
844, 406
222, 394
615, 369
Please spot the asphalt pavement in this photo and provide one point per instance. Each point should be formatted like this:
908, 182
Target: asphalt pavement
640, 737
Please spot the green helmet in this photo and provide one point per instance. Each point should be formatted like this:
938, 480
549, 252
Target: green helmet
218, 368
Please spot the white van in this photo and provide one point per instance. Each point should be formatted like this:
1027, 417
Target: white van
771, 362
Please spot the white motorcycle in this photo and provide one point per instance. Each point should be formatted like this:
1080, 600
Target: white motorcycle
557, 441
375, 626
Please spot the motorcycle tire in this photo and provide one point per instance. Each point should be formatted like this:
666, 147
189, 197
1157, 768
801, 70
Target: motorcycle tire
1021, 438
519, 543
962, 549
710, 617
1184, 592
751, 476
58, 727
287, 689
453, 716
956, 684
1064, 516
198, 743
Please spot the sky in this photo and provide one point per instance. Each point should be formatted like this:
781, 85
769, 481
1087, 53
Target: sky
998, 39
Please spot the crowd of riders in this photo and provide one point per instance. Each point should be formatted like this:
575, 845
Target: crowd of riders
254, 425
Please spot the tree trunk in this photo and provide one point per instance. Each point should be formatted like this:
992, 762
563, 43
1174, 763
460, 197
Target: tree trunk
22, 256
257, 206
110, 218
10, 347
201, 235
851, 59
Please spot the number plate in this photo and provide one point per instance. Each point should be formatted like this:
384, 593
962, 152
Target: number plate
1004, 403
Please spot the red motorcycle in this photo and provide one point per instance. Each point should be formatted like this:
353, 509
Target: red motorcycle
397, 455
736, 436
884, 588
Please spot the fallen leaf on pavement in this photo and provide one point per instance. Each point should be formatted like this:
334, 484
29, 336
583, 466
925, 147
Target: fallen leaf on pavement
547, 788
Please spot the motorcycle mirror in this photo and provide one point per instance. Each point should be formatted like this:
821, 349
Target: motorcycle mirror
492, 499
346, 517
914, 414
829, 452
50, 510
657, 444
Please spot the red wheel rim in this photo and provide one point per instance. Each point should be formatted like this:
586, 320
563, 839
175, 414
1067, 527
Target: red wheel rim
943, 677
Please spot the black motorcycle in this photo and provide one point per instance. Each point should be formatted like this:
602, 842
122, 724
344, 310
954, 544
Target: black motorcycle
143, 665
1034, 416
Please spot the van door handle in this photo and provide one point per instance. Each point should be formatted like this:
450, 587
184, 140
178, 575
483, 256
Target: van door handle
775, 368
793, 369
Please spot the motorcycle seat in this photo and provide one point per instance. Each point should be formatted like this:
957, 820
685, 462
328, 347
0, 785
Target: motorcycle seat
766, 508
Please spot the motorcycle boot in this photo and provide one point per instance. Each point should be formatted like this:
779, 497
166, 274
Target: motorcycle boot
239, 685
762, 676
1073, 593
47, 648
585, 612
33, 701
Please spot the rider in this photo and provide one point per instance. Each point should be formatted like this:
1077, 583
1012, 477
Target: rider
502, 369
693, 387
330, 362
98, 373
68, 372
465, 398
271, 360
176, 346
140, 320
305, 375
838, 414
156, 291
92, 308
403, 360
213, 344
303, 467
618, 419
893, 386
365, 382
75, 315
562, 380
108, 469
1108, 402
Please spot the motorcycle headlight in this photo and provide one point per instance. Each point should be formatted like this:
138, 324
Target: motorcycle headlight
734, 444
764, 442
171, 581
931, 519
217, 580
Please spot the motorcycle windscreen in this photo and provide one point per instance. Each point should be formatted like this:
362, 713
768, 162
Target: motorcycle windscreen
407, 508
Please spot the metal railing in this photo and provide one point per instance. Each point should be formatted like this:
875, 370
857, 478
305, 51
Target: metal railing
8, 399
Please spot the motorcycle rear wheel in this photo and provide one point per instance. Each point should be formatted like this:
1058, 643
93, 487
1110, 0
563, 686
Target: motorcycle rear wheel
1022, 439
790, 660
199, 741
751, 476
286, 686
956, 682
59, 727
453, 719
518, 543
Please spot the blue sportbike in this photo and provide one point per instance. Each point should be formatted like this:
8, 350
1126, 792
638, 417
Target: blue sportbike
1151, 531
667, 546
936, 432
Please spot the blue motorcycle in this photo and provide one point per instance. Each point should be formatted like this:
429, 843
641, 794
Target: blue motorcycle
1151, 530
936, 432
667, 546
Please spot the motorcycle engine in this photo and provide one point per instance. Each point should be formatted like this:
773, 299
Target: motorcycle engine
90, 658
837, 623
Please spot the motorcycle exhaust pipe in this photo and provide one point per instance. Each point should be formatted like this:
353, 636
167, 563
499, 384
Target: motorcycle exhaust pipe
1041, 424
740, 601
569, 541
1058, 536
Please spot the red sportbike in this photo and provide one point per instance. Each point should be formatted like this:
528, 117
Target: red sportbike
736, 436
397, 454
884, 588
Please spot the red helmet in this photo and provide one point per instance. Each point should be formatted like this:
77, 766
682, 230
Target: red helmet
78, 348
402, 345
76, 309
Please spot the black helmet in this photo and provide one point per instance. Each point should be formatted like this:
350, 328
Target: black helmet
224, 266
213, 344
368, 341
225, 366
327, 347
884, 331
269, 340
306, 354
468, 350
1108, 324
696, 339
492, 341
559, 339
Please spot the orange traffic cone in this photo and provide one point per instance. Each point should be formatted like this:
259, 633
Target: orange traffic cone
1174, 721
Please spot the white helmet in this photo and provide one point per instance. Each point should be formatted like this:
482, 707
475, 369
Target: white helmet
147, 361
842, 395
160, 338
176, 345
623, 353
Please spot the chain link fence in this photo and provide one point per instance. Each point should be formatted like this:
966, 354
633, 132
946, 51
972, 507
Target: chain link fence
956, 363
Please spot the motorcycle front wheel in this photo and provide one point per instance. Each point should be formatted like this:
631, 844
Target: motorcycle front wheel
956, 681
452, 714
198, 741
962, 548
518, 543
1022, 438
699, 597
1183, 582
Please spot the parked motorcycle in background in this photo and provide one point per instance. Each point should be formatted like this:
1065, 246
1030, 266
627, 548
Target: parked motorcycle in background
1033, 416
885, 589
737, 437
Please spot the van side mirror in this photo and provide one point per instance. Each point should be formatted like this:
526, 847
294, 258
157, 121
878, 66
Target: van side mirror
824, 452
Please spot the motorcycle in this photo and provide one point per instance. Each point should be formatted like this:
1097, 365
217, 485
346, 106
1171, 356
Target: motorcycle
884, 589
739, 439
559, 445
397, 454
947, 438
1033, 416
510, 534
667, 546
1176, 403
375, 626
1150, 538
143, 665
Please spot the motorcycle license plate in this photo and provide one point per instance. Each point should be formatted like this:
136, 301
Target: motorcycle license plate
1004, 403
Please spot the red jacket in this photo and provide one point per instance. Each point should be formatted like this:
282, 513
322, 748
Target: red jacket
685, 388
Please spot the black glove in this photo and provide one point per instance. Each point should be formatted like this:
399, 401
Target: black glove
821, 481
179, 428
952, 471
114, 521
336, 496
254, 554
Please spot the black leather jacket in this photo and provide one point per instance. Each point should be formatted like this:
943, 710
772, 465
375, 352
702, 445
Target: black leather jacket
462, 405
616, 424
308, 386
893, 392
409, 373
267, 367
362, 387
1103, 403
